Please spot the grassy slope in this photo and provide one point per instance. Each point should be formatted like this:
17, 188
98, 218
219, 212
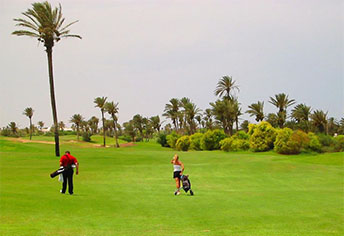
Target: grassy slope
129, 191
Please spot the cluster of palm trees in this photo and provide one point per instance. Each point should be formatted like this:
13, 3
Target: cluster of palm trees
225, 112
139, 127
185, 115
91, 126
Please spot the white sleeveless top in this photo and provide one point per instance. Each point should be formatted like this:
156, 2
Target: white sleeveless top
177, 168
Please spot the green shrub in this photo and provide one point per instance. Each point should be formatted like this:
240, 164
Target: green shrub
325, 140
172, 139
183, 143
237, 142
162, 140
211, 139
338, 143
242, 135
314, 143
86, 136
226, 144
126, 138
289, 141
262, 136
240, 144
195, 140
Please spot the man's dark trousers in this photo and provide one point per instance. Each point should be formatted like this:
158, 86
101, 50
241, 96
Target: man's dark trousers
68, 177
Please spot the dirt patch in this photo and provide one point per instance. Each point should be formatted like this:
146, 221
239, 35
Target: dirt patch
21, 140
121, 145
127, 144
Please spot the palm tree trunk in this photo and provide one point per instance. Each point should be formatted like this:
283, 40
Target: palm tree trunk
52, 98
103, 128
30, 129
77, 132
115, 129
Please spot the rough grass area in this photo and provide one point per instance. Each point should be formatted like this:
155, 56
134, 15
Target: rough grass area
129, 191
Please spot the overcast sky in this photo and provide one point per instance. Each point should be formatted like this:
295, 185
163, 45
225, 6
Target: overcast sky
142, 53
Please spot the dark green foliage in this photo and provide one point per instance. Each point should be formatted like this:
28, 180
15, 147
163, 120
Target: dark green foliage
325, 140
183, 143
162, 140
86, 136
338, 143
314, 144
211, 139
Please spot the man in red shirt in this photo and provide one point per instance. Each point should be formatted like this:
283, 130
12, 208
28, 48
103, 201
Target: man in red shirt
67, 161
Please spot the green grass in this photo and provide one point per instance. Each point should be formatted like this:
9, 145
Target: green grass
129, 191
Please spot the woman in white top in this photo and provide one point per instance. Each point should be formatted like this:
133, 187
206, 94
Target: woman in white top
178, 168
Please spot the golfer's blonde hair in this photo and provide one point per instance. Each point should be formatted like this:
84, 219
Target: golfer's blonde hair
176, 157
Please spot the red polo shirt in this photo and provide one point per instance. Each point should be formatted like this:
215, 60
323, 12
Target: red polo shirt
68, 159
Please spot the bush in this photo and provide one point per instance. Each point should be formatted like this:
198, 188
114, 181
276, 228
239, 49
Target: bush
237, 142
226, 144
183, 143
289, 141
162, 140
338, 143
172, 139
314, 143
211, 139
195, 141
325, 140
126, 138
262, 136
240, 144
86, 136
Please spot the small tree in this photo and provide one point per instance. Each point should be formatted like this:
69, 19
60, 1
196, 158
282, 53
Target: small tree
100, 102
77, 119
29, 113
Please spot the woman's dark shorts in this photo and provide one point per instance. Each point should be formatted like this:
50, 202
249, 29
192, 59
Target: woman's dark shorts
176, 174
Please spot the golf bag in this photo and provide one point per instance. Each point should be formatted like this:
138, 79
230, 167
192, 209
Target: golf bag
186, 184
56, 173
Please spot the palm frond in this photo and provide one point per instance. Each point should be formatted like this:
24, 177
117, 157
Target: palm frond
25, 23
25, 33
65, 27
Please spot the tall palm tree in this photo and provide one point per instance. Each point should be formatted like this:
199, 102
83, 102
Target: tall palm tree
62, 125
171, 111
93, 123
301, 114
77, 119
208, 114
112, 109
40, 124
100, 102
155, 121
282, 102
199, 120
237, 113
225, 113
256, 109
225, 87
13, 127
46, 24
319, 120
191, 110
29, 113
138, 123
